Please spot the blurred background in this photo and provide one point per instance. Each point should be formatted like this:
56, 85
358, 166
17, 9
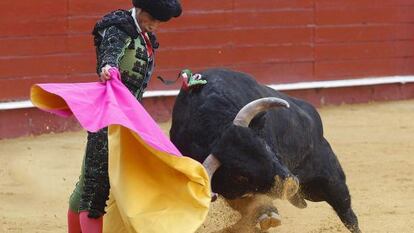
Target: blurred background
325, 51
332, 53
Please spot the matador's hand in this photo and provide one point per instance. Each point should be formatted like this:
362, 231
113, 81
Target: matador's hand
104, 76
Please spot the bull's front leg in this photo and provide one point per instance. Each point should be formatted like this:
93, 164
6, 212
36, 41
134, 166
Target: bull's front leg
254, 210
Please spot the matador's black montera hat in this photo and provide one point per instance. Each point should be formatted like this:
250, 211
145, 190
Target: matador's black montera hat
162, 10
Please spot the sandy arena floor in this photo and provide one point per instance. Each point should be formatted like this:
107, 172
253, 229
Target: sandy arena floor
374, 142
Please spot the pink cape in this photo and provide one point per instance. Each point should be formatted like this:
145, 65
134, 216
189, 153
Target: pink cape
97, 105
154, 189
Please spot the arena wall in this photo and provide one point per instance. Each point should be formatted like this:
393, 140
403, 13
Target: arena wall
277, 41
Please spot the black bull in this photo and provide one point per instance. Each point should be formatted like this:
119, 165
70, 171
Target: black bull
274, 148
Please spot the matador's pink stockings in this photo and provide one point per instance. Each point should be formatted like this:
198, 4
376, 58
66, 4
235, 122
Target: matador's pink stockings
81, 223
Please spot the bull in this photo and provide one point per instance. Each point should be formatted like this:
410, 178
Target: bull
258, 144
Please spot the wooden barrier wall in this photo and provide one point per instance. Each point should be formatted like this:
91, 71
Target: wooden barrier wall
277, 41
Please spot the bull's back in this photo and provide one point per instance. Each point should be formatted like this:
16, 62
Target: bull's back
199, 116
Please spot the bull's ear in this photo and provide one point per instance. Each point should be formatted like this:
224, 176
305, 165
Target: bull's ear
258, 122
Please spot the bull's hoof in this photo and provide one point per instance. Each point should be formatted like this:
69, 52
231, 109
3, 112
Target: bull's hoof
290, 187
287, 188
269, 220
298, 201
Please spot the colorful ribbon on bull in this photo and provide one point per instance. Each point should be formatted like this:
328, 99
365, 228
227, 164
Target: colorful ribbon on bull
154, 189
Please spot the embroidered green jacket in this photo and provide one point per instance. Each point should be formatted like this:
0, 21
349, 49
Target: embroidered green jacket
120, 43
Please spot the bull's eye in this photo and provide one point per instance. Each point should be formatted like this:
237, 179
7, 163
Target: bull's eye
247, 195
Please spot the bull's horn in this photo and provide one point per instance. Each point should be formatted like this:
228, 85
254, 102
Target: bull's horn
211, 164
248, 112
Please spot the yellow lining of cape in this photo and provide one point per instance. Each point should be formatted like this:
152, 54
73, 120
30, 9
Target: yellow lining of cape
153, 191
46, 100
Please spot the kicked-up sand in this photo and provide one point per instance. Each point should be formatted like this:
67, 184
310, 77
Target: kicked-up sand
374, 143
